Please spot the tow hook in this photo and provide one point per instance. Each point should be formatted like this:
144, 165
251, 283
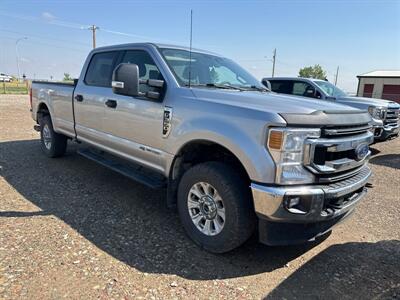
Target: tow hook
36, 127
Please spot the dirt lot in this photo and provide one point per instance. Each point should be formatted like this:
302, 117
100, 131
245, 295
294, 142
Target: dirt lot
71, 228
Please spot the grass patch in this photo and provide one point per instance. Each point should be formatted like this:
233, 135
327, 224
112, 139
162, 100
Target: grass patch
13, 88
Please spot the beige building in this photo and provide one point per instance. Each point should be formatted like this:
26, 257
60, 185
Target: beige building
380, 84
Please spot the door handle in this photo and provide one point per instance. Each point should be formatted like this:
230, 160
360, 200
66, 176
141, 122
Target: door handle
111, 103
79, 98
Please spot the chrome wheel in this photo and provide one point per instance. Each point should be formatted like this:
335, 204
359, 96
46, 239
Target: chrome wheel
46, 136
206, 208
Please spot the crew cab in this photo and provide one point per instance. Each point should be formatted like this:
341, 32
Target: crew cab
384, 113
231, 154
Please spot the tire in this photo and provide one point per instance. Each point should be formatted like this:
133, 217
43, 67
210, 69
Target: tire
52, 143
217, 226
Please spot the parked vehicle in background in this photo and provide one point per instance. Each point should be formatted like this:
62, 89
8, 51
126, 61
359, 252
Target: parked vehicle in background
385, 114
231, 153
5, 78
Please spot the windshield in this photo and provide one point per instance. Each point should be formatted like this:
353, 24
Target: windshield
330, 89
208, 70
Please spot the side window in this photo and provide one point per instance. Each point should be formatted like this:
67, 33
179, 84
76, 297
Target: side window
281, 86
100, 69
147, 67
303, 89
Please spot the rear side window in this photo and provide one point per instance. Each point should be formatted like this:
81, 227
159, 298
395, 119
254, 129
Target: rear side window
100, 69
282, 86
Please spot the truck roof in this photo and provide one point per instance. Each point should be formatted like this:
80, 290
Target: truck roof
157, 45
291, 78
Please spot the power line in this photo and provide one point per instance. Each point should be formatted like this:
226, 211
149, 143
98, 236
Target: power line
43, 37
46, 44
73, 25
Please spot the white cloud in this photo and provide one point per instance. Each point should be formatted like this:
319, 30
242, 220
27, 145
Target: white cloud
48, 16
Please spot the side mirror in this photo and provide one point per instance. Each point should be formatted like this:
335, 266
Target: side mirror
125, 80
267, 84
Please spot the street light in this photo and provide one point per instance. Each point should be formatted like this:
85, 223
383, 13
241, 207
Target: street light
16, 53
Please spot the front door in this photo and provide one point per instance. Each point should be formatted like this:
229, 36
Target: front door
134, 125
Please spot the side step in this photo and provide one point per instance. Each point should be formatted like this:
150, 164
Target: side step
130, 170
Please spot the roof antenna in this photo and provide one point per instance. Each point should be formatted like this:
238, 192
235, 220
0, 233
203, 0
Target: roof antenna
190, 48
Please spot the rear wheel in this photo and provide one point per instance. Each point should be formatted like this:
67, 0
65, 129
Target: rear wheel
215, 207
53, 144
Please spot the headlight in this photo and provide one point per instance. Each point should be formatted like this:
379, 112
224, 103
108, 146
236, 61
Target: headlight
286, 146
377, 112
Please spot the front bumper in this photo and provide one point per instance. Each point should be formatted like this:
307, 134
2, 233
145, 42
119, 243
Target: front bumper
321, 206
385, 132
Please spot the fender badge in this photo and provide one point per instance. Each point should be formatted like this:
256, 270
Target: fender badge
167, 118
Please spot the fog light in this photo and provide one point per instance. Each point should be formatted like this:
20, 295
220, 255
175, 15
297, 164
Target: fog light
293, 201
296, 205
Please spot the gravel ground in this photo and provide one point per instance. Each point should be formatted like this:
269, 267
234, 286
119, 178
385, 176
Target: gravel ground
70, 228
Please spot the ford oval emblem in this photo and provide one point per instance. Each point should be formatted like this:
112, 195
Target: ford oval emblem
361, 151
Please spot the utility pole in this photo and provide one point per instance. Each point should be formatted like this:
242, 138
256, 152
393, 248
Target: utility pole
337, 73
273, 63
93, 28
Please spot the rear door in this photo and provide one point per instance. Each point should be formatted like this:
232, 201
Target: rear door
91, 94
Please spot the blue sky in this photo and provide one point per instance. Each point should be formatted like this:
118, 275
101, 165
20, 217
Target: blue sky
358, 36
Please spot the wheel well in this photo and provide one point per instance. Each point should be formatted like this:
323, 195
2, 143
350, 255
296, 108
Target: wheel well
198, 152
42, 111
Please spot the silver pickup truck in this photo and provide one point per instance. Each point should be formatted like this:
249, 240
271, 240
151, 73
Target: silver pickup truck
384, 113
233, 156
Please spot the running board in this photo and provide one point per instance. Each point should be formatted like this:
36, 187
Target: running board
130, 170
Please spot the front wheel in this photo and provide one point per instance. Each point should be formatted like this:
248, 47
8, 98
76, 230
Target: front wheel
215, 207
53, 144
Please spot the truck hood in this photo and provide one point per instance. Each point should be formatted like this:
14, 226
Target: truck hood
269, 102
363, 101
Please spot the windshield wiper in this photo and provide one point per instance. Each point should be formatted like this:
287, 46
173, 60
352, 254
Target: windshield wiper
224, 86
218, 86
257, 88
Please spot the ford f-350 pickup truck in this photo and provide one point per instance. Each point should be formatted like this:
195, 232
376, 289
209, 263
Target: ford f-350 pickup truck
384, 113
233, 156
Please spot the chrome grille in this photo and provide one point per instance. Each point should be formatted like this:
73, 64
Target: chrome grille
392, 116
336, 155
345, 130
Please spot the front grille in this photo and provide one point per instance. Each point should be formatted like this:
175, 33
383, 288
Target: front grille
392, 116
344, 130
339, 153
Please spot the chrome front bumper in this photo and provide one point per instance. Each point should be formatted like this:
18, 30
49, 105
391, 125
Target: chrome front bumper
388, 131
322, 202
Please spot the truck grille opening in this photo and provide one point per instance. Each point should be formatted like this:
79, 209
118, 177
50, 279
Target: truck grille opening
336, 155
392, 116
322, 155
344, 130
331, 205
